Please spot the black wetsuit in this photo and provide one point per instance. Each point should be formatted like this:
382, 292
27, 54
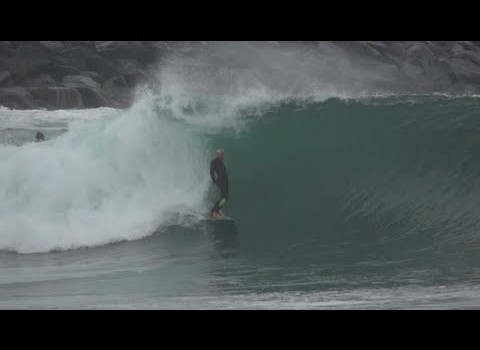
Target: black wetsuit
217, 166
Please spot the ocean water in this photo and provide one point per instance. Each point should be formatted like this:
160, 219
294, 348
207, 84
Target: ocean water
342, 199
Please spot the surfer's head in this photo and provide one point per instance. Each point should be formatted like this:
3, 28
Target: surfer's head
220, 154
39, 137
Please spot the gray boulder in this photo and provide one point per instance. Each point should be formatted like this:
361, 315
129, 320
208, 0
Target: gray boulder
466, 51
463, 70
89, 89
105, 45
34, 57
57, 97
135, 79
55, 46
102, 66
40, 80
80, 81
143, 55
77, 56
58, 71
92, 75
17, 67
16, 98
4, 76
129, 65
118, 89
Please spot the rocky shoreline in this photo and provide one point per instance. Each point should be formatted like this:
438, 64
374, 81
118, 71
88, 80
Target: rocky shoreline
74, 74
91, 74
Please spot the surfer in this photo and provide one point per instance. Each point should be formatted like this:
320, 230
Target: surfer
39, 137
218, 168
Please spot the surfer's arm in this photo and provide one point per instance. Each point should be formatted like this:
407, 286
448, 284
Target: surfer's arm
212, 172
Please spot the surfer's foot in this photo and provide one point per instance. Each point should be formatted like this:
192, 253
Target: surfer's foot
217, 215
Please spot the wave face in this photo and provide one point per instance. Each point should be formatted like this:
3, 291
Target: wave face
393, 179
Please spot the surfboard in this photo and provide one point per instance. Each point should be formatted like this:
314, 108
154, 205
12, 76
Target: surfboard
206, 217
222, 218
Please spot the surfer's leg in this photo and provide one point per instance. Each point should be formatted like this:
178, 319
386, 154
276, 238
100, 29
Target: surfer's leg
216, 208
223, 197
221, 201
